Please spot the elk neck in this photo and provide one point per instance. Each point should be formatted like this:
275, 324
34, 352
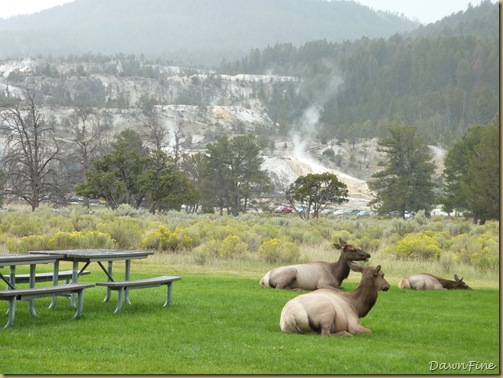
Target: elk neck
363, 298
340, 268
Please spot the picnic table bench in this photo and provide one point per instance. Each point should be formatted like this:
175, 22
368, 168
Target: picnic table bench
65, 275
31, 293
122, 286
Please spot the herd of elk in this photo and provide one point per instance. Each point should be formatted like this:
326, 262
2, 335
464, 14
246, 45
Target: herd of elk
315, 275
329, 311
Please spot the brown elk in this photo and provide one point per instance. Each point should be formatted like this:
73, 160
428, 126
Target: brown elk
315, 275
332, 313
427, 281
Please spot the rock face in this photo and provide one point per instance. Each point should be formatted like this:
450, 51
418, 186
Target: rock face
196, 108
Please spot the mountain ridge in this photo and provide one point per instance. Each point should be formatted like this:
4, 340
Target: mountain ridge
156, 27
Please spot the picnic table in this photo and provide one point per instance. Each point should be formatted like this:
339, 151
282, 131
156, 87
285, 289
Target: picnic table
88, 256
13, 293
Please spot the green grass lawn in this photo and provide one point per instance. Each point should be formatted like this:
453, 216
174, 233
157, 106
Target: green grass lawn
222, 323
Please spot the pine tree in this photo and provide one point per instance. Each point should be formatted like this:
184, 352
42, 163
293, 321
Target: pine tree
471, 174
406, 182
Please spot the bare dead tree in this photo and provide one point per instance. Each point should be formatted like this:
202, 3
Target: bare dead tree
31, 151
154, 132
86, 140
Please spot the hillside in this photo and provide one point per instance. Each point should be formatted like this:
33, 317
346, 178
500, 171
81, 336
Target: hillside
205, 31
229, 109
317, 107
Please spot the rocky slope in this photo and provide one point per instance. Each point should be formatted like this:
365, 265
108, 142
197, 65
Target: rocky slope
228, 106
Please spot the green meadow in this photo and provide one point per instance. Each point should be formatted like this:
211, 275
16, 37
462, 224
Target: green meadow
221, 321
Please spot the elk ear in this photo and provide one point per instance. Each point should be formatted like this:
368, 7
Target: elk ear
355, 267
338, 246
377, 269
456, 278
343, 242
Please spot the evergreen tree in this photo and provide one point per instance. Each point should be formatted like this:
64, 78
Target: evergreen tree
316, 192
406, 182
471, 174
234, 174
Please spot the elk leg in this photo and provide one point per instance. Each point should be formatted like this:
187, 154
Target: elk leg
359, 329
342, 333
284, 279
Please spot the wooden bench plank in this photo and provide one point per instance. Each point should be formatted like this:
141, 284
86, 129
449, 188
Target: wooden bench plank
122, 286
47, 277
39, 292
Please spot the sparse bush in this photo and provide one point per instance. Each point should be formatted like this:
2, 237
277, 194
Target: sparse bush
127, 232
342, 234
401, 227
447, 260
367, 244
279, 251
230, 247
485, 260
458, 228
25, 227
126, 210
421, 219
165, 240
28, 243
83, 222
416, 245
78, 240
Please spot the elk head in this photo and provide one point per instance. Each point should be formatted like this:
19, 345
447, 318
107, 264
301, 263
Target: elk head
460, 284
372, 275
350, 252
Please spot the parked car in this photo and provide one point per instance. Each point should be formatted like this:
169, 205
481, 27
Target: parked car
363, 213
283, 210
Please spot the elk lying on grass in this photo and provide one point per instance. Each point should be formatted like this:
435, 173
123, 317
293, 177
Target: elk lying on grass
315, 275
333, 313
426, 281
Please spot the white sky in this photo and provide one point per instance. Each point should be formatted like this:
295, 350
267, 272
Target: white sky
425, 11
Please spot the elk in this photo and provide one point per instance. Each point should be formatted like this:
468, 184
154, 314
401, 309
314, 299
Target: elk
427, 281
332, 313
315, 275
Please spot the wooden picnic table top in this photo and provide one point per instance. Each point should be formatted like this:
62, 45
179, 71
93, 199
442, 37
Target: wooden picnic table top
27, 259
94, 254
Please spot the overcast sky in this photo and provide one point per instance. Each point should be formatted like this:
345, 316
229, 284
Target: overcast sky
424, 11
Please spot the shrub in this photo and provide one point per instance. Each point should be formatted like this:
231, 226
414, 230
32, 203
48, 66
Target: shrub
25, 227
127, 232
165, 240
230, 247
458, 228
77, 240
343, 234
416, 245
485, 260
401, 227
83, 222
447, 260
28, 243
279, 251
126, 210
367, 244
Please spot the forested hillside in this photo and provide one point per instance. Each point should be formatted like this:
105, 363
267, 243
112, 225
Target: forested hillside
321, 106
189, 31
442, 83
